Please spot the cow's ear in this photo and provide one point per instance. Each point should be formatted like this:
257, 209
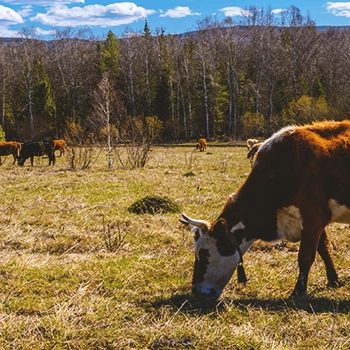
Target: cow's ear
219, 229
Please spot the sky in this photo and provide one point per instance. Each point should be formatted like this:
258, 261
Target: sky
44, 17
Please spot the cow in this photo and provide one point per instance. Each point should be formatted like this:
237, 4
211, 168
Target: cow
251, 153
31, 149
251, 143
201, 145
11, 147
299, 184
59, 145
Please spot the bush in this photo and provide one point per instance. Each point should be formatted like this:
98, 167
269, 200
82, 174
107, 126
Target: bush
252, 125
308, 109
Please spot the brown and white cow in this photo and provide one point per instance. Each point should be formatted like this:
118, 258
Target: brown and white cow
59, 145
201, 145
11, 147
251, 143
299, 183
251, 153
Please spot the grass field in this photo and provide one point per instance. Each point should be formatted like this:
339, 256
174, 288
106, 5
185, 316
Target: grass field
79, 271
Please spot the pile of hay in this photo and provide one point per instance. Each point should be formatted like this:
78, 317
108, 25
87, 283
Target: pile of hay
154, 205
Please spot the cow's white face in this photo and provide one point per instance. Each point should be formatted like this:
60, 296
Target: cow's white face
215, 261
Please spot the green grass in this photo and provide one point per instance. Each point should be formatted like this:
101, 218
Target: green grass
62, 287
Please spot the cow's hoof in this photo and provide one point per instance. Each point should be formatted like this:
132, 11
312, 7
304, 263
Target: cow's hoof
334, 284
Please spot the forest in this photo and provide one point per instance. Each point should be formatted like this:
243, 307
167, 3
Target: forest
222, 81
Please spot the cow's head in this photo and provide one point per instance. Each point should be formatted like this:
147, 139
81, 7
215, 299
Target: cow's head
20, 161
216, 257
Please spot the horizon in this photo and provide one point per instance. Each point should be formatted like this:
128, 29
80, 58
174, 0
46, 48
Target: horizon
43, 18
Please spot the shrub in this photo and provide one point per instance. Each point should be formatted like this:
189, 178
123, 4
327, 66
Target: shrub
154, 205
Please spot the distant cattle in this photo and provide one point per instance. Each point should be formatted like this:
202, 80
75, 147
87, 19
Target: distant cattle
299, 184
10, 148
251, 153
59, 145
31, 149
251, 143
201, 145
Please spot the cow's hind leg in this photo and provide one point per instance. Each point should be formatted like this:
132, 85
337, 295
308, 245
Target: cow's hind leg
324, 249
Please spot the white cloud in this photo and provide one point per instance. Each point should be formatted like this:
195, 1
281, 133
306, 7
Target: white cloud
93, 15
10, 16
278, 11
234, 11
339, 8
25, 11
7, 33
40, 31
179, 12
43, 2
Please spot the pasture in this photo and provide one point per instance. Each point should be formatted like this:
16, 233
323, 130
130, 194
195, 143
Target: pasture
79, 271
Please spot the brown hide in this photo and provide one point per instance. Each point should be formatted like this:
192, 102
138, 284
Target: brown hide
8, 148
201, 145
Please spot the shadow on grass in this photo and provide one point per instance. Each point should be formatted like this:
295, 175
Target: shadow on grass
189, 304
310, 304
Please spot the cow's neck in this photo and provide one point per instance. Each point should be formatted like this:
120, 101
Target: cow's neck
244, 228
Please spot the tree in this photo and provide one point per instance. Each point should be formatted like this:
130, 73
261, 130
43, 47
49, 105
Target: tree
105, 111
43, 99
308, 109
110, 55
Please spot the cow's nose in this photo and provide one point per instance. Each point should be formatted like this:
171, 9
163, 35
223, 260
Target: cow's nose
196, 291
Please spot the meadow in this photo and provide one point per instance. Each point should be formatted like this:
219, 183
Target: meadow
79, 271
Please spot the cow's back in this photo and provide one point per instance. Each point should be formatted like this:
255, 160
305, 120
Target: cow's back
299, 162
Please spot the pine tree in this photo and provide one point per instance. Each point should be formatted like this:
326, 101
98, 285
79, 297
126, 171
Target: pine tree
110, 55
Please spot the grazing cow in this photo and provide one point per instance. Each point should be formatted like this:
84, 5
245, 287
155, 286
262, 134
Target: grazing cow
252, 152
59, 145
31, 149
299, 183
201, 145
11, 147
251, 143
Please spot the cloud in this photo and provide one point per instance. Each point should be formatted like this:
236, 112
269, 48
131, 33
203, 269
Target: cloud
234, 11
93, 15
25, 11
7, 33
9, 16
278, 11
339, 8
42, 2
40, 31
179, 12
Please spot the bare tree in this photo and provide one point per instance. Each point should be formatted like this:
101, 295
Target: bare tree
104, 110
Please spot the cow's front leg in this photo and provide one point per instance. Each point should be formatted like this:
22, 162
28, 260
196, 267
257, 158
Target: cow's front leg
306, 258
324, 249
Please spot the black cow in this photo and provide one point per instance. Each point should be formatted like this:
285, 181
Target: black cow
31, 149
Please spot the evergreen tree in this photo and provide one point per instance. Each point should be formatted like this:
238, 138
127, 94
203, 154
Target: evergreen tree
43, 101
110, 55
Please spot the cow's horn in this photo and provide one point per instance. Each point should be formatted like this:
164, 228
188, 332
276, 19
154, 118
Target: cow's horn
202, 224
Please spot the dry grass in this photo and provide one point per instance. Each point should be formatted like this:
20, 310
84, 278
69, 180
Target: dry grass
63, 287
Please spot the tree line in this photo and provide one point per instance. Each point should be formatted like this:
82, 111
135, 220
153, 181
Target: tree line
224, 80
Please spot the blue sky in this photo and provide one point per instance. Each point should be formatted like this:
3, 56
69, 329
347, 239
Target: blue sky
175, 16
